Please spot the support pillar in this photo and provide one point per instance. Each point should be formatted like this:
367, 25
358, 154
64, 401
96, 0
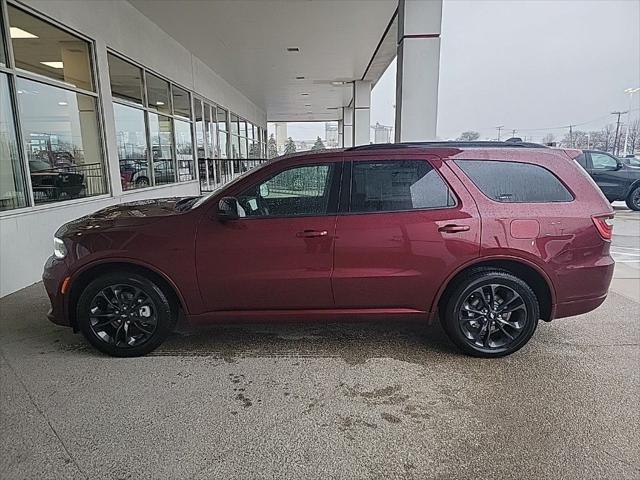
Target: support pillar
347, 124
418, 68
340, 133
361, 113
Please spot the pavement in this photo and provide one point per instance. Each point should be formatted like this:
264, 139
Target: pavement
370, 401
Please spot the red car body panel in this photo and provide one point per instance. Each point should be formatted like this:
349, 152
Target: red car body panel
366, 264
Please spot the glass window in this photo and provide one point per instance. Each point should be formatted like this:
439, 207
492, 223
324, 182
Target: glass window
602, 161
514, 182
243, 147
296, 191
235, 146
157, 93
184, 150
582, 160
12, 185
41, 48
223, 135
199, 121
61, 132
161, 135
132, 147
210, 130
126, 80
397, 185
181, 102
234, 124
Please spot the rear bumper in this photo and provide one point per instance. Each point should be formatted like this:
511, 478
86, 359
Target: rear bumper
585, 288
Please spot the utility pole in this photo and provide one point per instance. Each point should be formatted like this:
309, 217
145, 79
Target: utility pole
615, 139
571, 135
513, 132
499, 127
630, 91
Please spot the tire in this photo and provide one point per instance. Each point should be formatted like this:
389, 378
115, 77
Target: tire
466, 325
633, 199
109, 321
142, 182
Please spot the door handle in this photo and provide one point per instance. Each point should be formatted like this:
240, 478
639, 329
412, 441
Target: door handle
452, 228
312, 233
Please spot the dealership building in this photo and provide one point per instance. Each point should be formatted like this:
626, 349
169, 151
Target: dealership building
112, 101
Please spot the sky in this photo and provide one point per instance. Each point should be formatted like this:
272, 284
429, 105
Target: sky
535, 66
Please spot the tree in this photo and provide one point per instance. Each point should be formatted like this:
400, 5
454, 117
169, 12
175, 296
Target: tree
634, 136
549, 138
289, 147
319, 145
272, 147
469, 136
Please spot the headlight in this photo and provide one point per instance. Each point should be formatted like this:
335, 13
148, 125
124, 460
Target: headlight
59, 250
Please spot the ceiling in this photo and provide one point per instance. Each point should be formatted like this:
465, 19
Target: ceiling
246, 41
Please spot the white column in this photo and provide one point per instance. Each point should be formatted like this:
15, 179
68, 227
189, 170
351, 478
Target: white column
347, 122
361, 113
418, 67
340, 133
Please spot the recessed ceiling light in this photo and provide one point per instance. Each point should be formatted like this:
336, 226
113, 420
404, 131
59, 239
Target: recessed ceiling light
63, 104
16, 32
332, 108
304, 94
338, 84
160, 103
57, 65
293, 49
299, 78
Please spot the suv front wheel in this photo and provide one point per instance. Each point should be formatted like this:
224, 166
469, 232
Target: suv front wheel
124, 314
491, 313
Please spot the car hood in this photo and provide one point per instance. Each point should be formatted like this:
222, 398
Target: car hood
132, 213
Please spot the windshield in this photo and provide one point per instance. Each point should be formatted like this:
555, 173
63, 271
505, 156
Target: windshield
203, 199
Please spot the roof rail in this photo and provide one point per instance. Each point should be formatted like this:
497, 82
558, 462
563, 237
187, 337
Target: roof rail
449, 144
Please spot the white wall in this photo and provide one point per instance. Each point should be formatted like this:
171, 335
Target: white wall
26, 236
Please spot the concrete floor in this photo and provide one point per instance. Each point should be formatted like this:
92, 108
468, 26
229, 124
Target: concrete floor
368, 401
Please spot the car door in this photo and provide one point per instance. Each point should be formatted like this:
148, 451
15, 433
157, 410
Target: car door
279, 254
605, 171
404, 230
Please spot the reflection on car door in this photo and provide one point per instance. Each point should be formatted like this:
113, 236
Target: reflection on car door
403, 231
280, 254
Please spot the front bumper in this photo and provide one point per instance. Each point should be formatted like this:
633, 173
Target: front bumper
55, 271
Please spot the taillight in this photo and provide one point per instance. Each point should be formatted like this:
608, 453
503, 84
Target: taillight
604, 224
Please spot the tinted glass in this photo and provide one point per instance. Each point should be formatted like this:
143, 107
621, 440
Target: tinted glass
181, 102
397, 185
582, 160
41, 48
515, 182
61, 129
161, 135
158, 93
12, 190
234, 124
199, 123
602, 161
295, 191
132, 147
126, 80
184, 150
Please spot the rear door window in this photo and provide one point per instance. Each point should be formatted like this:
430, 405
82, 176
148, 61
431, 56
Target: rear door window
602, 161
514, 182
390, 185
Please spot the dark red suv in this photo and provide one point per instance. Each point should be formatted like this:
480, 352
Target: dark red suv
490, 237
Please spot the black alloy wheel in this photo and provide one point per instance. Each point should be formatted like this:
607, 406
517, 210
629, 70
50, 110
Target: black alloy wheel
491, 314
633, 200
124, 315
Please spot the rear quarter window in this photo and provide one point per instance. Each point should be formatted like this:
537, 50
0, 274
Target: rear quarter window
514, 182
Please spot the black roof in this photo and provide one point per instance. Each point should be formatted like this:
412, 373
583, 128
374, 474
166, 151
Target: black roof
451, 144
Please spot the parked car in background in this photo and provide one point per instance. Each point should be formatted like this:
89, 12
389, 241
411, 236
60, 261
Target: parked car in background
52, 183
617, 179
631, 160
377, 231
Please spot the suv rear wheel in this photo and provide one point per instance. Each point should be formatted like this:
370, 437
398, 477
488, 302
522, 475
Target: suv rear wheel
124, 314
633, 199
491, 313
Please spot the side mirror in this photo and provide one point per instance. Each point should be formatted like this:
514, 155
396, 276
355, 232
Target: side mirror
619, 165
228, 209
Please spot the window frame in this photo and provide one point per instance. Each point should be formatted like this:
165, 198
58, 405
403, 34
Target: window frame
335, 175
14, 73
347, 186
147, 109
566, 187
